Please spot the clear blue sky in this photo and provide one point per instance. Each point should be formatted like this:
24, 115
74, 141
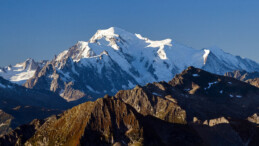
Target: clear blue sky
42, 28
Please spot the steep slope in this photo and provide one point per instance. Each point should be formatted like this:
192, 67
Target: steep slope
109, 121
21, 72
20, 105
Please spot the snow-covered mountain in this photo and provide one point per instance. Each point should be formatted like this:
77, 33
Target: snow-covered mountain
114, 59
21, 72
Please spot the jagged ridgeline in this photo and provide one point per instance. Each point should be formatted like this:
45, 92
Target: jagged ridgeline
249, 77
194, 108
114, 59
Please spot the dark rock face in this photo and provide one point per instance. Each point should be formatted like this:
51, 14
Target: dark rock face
194, 108
212, 96
20, 105
194, 93
20, 135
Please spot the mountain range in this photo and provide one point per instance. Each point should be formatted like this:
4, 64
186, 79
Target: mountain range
126, 89
114, 59
194, 108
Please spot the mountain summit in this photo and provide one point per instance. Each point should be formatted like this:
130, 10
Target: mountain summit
114, 59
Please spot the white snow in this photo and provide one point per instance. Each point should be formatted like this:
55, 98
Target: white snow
22, 76
230, 83
221, 91
210, 84
231, 95
149, 58
17, 73
238, 96
195, 75
61, 55
206, 54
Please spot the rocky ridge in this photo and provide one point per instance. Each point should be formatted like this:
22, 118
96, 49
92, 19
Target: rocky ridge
160, 113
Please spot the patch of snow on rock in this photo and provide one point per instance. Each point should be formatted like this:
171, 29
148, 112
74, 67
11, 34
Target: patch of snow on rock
210, 84
195, 75
239, 96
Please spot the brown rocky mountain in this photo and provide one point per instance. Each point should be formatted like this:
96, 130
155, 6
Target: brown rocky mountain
194, 108
242, 75
106, 121
249, 77
254, 82
194, 93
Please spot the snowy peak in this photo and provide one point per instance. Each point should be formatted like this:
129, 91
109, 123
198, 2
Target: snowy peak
112, 36
114, 59
111, 33
21, 72
116, 40
30, 64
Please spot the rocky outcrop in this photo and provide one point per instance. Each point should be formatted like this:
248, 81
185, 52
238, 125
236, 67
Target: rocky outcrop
254, 118
5, 122
254, 82
110, 121
242, 75
20, 135
248, 77
153, 99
